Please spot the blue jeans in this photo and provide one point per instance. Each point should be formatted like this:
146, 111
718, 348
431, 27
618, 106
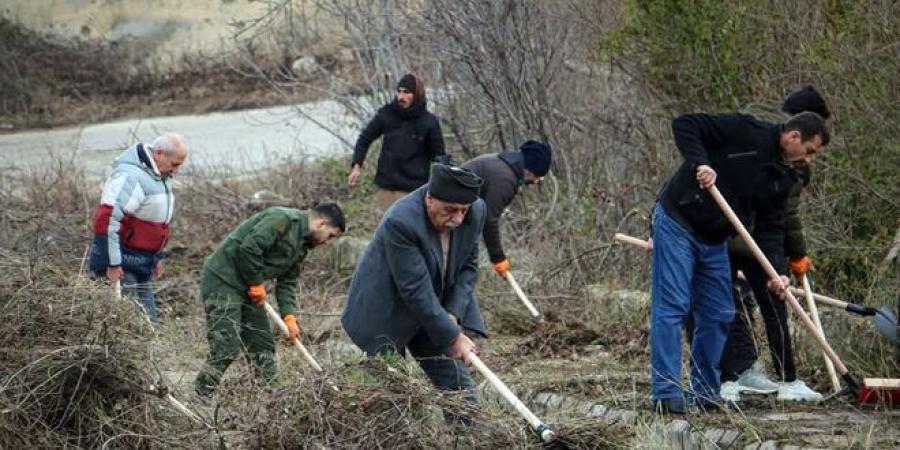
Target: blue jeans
138, 271
143, 291
689, 277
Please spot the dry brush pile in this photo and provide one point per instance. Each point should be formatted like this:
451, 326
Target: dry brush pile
77, 366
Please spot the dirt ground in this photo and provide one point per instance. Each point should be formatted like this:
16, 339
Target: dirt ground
570, 359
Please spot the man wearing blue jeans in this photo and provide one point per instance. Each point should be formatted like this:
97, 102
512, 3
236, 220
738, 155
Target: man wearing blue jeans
750, 161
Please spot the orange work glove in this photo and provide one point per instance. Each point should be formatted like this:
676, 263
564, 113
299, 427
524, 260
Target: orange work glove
502, 267
257, 292
293, 328
800, 266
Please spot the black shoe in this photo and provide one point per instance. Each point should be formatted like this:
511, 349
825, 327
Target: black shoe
670, 406
708, 406
720, 404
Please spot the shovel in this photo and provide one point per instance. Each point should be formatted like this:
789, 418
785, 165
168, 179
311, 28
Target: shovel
535, 315
539, 428
296, 342
883, 318
853, 383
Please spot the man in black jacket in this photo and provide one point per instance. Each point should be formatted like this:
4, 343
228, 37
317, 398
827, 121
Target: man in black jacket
412, 139
504, 174
741, 372
749, 161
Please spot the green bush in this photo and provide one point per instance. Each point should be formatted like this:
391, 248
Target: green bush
717, 56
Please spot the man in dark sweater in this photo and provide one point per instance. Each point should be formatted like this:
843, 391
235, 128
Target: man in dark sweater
504, 174
749, 161
741, 372
412, 140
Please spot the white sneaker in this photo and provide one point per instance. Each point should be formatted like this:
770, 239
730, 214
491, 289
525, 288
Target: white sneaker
797, 390
730, 391
755, 381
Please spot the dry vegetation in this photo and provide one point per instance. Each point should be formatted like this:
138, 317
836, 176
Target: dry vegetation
598, 80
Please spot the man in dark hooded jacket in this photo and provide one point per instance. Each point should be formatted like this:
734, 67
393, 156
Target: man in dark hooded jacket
412, 140
504, 174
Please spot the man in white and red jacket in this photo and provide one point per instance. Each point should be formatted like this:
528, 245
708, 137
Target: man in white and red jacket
131, 224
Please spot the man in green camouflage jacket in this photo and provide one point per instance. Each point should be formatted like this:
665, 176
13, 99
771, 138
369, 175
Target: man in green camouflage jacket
270, 245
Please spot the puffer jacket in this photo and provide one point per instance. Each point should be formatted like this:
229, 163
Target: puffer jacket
412, 140
136, 206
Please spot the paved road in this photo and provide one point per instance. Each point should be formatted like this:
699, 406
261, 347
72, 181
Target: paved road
239, 140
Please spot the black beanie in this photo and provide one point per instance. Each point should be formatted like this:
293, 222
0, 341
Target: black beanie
804, 99
454, 184
537, 157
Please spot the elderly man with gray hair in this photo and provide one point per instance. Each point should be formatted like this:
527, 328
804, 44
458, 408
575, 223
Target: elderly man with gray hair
131, 223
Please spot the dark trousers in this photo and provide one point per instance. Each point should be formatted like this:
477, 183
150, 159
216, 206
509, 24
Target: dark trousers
740, 350
444, 372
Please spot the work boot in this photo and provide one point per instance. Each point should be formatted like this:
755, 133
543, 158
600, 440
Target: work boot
755, 381
799, 391
730, 391
675, 406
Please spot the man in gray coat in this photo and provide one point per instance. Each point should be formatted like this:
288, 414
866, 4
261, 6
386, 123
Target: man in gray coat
504, 175
415, 283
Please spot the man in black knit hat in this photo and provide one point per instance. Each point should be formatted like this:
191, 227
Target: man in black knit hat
741, 371
414, 287
504, 175
412, 140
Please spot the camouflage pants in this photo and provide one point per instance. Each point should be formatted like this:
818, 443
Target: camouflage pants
233, 324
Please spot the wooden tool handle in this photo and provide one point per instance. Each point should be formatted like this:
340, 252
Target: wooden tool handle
521, 294
772, 273
284, 330
814, 312
632, 240
539, 427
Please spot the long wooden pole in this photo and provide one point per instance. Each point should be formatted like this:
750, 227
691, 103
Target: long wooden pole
165, 395
521, 294
772, 273
539, 427
296, 342
814, 312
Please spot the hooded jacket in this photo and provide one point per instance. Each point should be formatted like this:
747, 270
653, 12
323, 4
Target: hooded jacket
136, 206
412, 139
503, 175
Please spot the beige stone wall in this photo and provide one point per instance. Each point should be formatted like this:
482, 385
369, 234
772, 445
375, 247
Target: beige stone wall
170, 27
